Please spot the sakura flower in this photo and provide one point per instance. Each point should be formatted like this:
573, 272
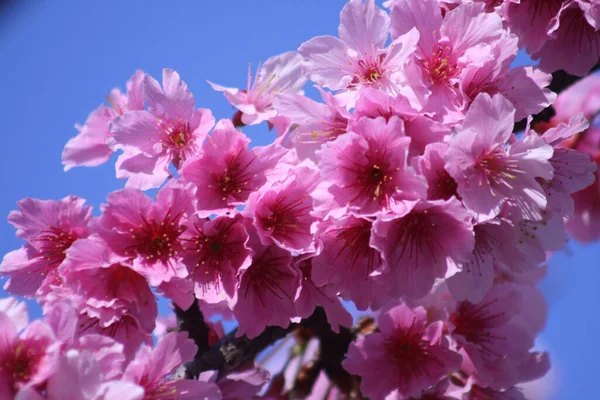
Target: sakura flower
317, 123
495, 242
265, 290
27, 359
16, 311
108, 290
282, 212
171, 131
524, 87
50, 228
310, 295
421, 129
415, 354
490, 335
487, 173
90, 147
479, 393
440, 185
418, 243
279, 74
358, 59
366, 170
227, 171
561, 34
147, 234
214, 250
348, 260
446, 46
583, 224
151, 368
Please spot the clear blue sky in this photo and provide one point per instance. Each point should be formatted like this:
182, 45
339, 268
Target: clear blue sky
60, 58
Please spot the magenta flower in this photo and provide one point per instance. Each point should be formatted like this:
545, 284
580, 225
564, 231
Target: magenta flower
447, 44
227, 171
414, 352
419, 241
266, 290
562, 34
279, 74
366, 170
358, 59
214, 251
347, 260
310, 296
91, 146
146, 234
282, 212
524, 87
479, 393
151, 369
487, 173
49, 228
171, 131
27, 359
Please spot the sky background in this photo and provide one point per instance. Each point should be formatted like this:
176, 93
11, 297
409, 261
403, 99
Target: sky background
58, 59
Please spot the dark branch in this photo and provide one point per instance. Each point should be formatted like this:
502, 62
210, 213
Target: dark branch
192, 322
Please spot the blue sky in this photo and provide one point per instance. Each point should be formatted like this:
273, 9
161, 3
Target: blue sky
60, 58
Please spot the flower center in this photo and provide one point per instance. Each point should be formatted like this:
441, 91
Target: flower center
53, 245
157, 239
442, 65
22, 361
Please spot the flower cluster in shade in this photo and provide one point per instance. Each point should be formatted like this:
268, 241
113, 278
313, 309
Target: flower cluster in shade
404, 191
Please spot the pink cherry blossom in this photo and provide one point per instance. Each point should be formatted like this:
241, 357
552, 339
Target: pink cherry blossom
278, 75
359, 58
447, 44
214, 250
440, 185
487, 173
49, 228
347, 260
367, 170
266, 289
227, 171
282, 212
151, 367
146, 234
418, 243
171, 131
414, 352
91, 146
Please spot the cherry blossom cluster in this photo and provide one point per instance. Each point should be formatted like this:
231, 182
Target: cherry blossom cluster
404, 191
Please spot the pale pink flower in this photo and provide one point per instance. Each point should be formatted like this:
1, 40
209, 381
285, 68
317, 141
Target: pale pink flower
487, 173
146, 235
151, 368
281, 212
279, 74
171, 131
91, 146
16, 311
582, 225
420, 240
448, 43
523, 86
367, 169
316, 123
107, 289
227, 170
359, 58
50, 227
422, 130
414, 352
